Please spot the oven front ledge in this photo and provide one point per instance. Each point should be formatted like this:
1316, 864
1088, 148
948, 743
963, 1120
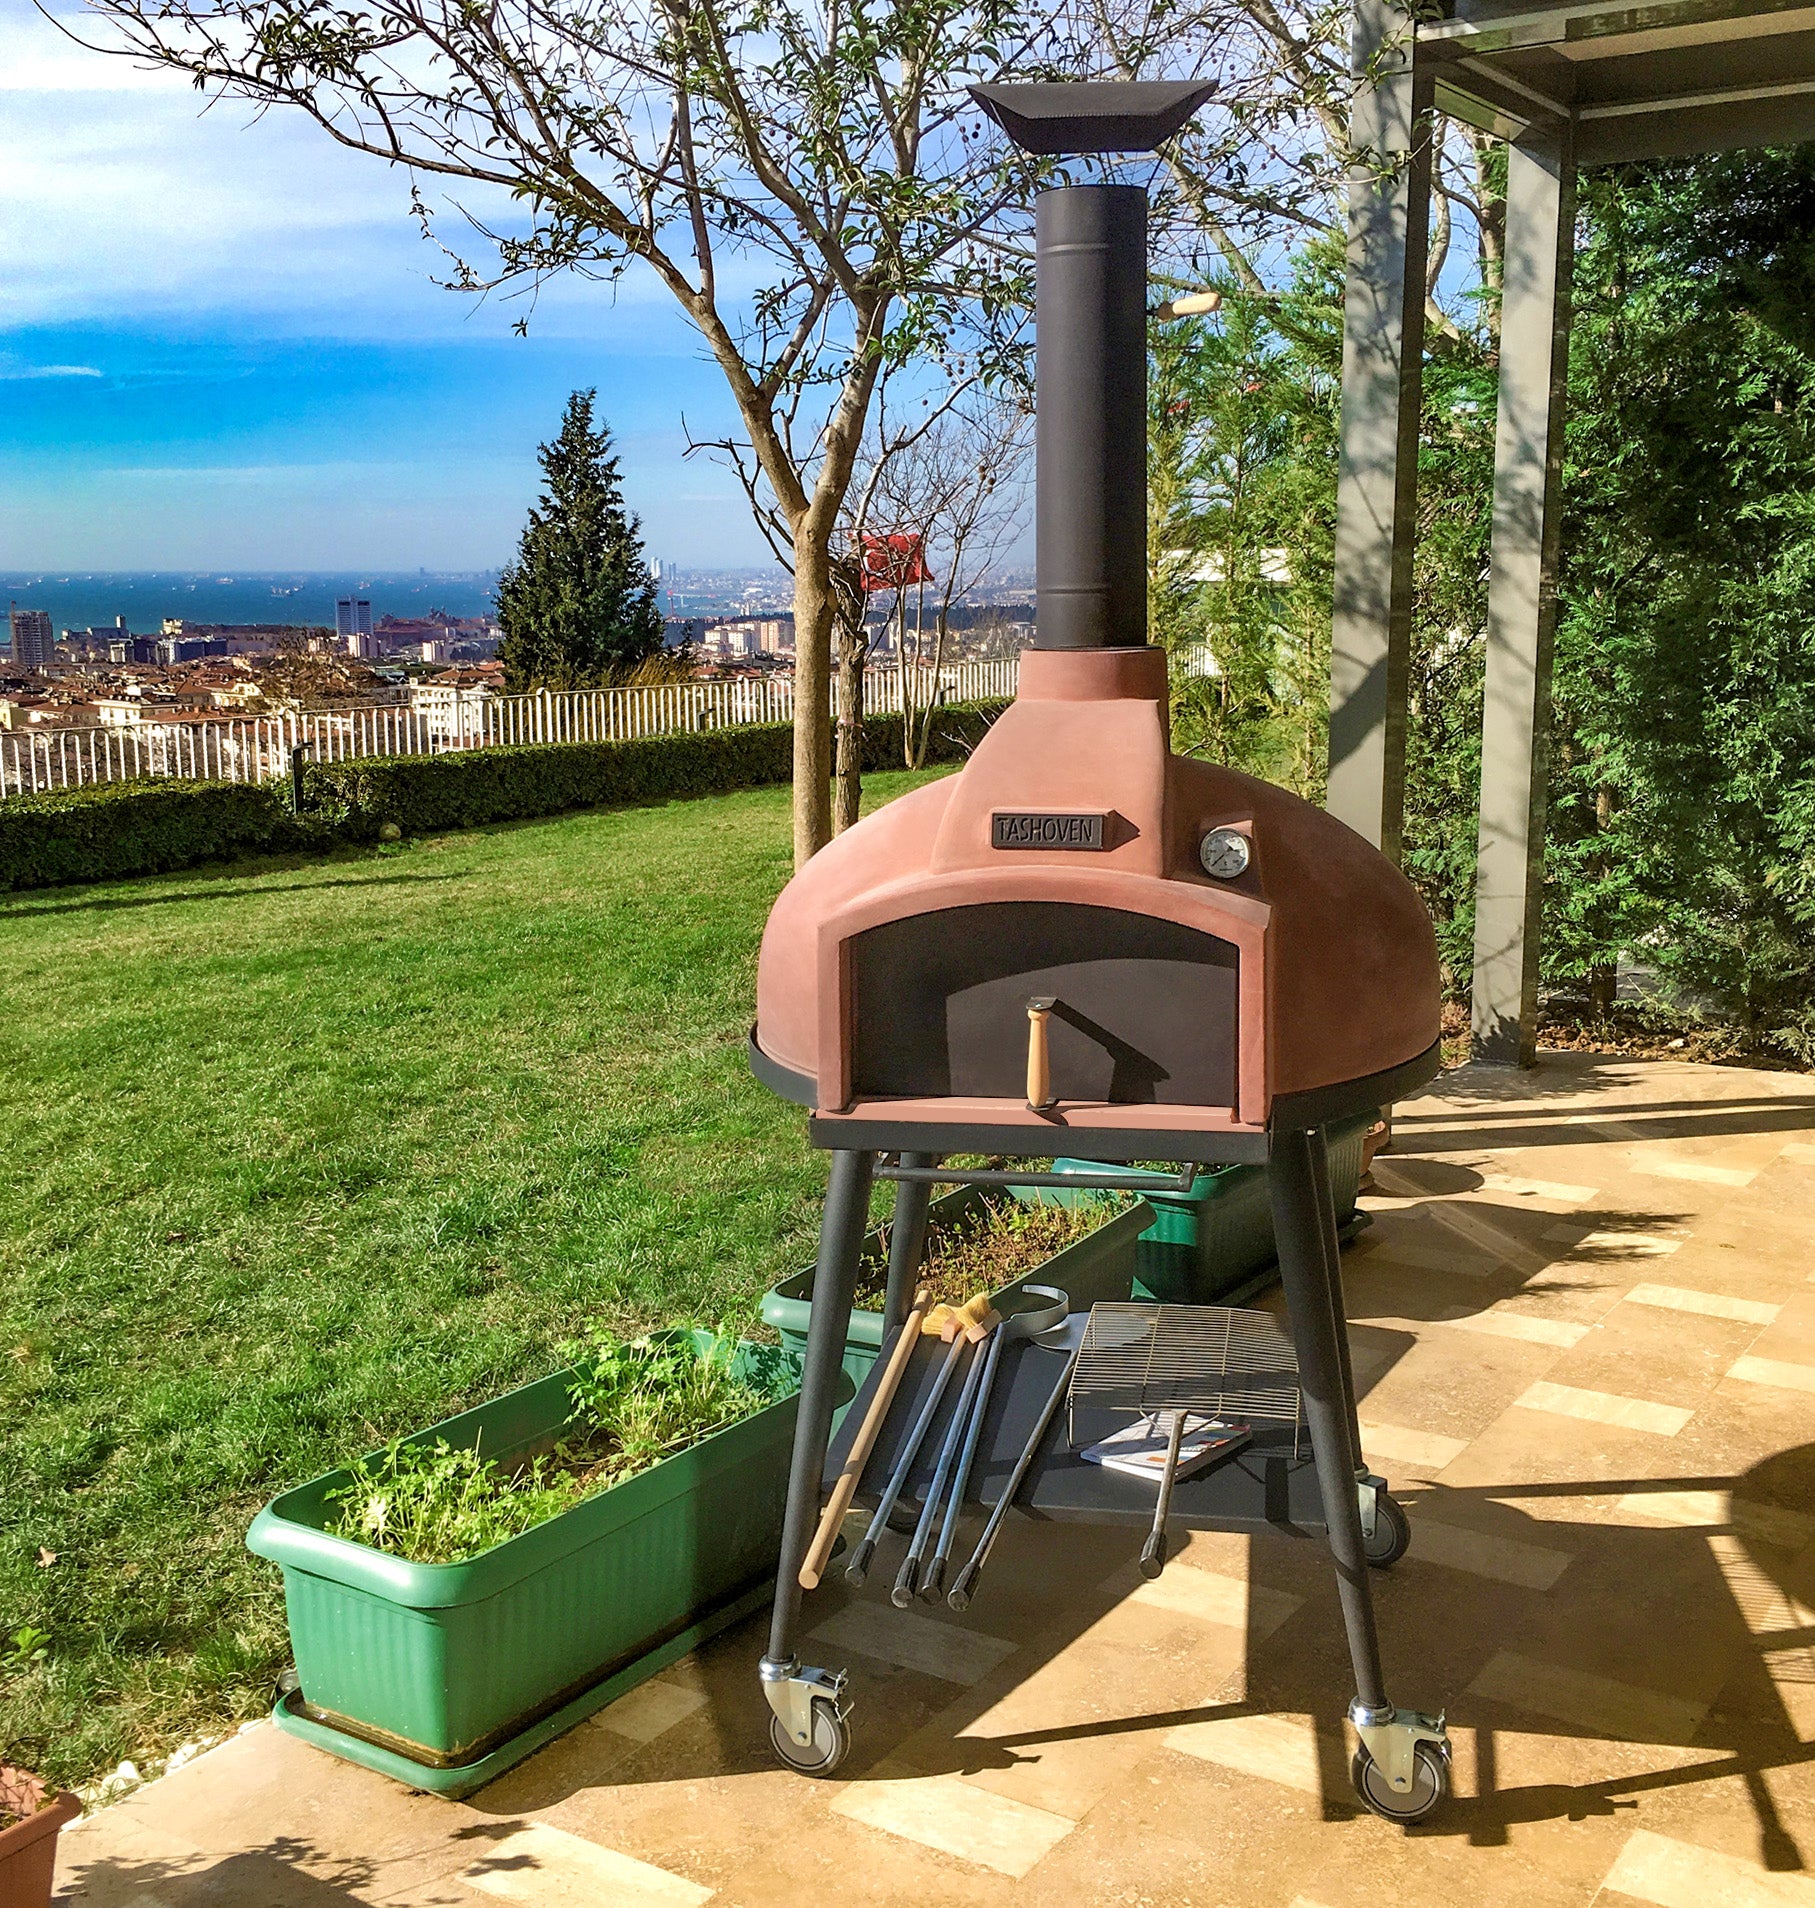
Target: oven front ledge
1080, 1129
1149, 1117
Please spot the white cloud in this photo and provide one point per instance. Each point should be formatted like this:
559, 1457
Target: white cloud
13, 374
124, 194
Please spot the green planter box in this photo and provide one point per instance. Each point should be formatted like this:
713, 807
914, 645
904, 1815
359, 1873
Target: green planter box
445, 1674
1207, 1244
1099, 1266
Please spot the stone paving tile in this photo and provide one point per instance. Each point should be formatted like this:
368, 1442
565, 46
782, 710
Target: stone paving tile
954, 1652
548, 1868
1770, 1524
1599, 1704
1604, 1407
649, 1709
1210, 1597
1484, 1555
1674, 1874
1678, 1298
1502, 1321
955, 1817
1773, 1371
1421, 1453
1453, 1385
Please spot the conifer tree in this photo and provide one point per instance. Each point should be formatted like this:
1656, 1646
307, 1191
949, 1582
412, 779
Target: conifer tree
578, 606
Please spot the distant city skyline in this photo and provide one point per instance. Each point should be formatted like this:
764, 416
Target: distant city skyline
82, 599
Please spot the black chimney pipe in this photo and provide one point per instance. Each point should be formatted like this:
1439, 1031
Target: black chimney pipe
1090, 423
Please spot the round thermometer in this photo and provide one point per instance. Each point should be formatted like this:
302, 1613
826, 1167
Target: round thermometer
1224, 853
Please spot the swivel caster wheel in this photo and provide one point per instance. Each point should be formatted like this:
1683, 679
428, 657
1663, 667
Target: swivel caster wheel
1430, 1784
1391, 1536
830, 1745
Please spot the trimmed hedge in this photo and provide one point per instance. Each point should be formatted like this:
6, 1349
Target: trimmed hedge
148, 827
422, 794
145, 827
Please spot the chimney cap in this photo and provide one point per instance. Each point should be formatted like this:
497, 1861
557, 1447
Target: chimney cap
1075, 116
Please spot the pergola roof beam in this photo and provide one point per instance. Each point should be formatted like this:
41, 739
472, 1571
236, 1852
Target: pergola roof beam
1623, 27
1681, 102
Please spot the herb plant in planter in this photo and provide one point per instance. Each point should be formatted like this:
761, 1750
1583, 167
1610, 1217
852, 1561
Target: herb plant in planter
978, 1243
462, 1596
31, 1818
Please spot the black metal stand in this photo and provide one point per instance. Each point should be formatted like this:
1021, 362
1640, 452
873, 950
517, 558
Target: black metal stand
834, 1281
907, 1241
1323, 1369
1401, 1770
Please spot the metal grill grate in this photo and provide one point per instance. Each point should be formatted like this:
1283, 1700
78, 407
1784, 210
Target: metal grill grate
1205, 1358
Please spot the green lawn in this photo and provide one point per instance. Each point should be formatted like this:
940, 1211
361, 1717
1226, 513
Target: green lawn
297, 1157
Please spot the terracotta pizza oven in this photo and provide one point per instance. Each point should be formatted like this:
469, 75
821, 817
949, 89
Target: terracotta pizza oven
1083, 943
1085, 948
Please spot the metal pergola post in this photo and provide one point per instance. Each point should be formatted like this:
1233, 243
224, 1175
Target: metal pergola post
1382, 386
1522, 593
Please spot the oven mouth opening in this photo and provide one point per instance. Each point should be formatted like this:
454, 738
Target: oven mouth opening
1143, 1011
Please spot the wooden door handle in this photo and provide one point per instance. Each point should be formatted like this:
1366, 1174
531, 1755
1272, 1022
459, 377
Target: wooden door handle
1039, 1057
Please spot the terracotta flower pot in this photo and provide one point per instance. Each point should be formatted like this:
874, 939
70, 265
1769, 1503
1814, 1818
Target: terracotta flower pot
28, 1850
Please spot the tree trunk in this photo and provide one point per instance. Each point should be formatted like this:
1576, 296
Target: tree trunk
1604, 980
1490, 229
851, 652
1603, 990
814, 612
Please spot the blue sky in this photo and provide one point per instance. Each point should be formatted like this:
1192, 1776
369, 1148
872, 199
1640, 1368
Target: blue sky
221, 346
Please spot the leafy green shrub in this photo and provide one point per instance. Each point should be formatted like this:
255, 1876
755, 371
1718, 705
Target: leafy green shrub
424, 794
149, 827
142, 827
635, 1402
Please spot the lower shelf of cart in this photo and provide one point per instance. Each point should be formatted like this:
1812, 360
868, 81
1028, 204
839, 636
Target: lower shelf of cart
1269, 1485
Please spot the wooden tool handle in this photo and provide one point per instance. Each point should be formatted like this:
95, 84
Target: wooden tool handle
1039, 1058
820, 1550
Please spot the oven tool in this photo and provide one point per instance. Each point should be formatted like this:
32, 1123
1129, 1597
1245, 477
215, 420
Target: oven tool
908, 1575
820, 1551
1153, 1551
1211, 1359
956, 1324
959, 1596
1024, 1324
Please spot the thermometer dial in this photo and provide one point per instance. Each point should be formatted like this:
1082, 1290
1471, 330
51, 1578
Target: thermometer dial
1224, 853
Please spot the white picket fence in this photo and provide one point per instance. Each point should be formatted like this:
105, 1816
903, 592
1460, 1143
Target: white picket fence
248, 749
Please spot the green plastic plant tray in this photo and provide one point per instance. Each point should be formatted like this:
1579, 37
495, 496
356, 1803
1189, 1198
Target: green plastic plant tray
1207, 1244
461, 1780
449, 1667
1100, 1266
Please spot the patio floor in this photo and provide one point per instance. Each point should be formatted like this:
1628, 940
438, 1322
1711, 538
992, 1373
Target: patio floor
1584, 1328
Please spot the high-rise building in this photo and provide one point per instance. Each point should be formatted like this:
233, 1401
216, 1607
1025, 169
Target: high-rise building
33, 645
352, 616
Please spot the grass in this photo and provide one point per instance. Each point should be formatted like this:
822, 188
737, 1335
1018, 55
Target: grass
298, 1158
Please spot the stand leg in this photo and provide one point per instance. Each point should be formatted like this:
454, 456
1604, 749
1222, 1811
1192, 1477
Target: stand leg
1332, 1254
907, 1244
1329, 1404
834, 1280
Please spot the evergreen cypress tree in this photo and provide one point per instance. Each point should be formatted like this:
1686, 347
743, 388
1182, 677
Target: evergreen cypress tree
578, 606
